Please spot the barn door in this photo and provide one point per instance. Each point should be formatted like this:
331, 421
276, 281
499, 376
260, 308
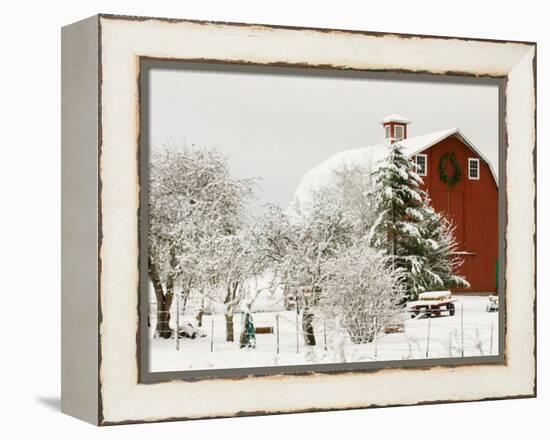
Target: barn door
451, 204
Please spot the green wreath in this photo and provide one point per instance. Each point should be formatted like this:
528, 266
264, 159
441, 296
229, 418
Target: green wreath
457, 172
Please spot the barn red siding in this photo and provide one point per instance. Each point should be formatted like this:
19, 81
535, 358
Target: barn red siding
473, 207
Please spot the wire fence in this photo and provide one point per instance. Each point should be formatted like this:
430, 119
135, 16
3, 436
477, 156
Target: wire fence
284, 332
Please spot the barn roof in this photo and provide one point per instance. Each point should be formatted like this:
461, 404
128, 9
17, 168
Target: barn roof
372, 155
394, 117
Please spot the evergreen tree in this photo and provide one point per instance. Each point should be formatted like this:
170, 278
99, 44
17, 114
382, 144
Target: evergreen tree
416, 240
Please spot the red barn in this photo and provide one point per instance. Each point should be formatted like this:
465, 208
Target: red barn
459, 180
463, 186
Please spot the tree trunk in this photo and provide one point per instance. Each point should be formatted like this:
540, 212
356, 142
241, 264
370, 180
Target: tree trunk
229, 330
307, 327
199, 317
163, 320
164, 301
184, 298
229, 306
201, 311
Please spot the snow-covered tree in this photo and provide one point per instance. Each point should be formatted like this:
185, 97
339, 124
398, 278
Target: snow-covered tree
273, 239
235, 264
351, 186
311, 238
405, 228
361, 291
294, 246
194, 203
399, 226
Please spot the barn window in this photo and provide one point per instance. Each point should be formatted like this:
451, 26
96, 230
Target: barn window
399, 132
388, 132
421, 164
473, 169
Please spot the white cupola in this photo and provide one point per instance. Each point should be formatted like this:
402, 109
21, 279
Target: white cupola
395, 128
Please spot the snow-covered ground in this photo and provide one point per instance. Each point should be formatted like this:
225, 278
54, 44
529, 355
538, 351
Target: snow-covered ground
480, 336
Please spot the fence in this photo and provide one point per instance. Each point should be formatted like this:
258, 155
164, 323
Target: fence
421, 337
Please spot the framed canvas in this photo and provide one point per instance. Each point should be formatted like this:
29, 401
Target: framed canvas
264, 219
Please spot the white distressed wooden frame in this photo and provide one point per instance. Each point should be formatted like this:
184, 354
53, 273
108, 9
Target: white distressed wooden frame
101, 59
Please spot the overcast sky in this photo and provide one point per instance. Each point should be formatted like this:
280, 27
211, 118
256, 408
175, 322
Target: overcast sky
279, 126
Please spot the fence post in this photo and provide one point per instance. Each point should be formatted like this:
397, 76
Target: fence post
492, 330
297, 332
325, 331
212, 332
149, 319
375, 339
462, 326
177, 322
277, 321
428, 336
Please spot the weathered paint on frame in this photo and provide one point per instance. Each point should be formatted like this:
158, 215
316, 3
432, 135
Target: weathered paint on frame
118, 381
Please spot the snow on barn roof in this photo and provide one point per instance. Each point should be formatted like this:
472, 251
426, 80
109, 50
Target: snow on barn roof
395, 118
370, 156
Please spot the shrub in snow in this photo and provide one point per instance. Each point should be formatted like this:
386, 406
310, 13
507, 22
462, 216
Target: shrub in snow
361, 291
